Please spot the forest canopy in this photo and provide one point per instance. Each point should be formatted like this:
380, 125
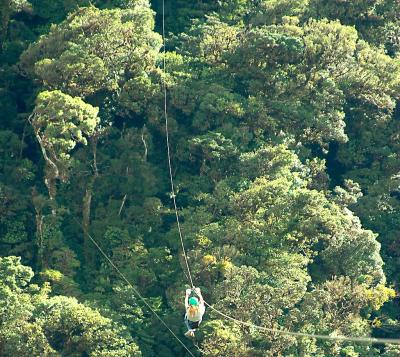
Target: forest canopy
284, 138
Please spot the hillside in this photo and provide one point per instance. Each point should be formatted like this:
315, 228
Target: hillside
283, 126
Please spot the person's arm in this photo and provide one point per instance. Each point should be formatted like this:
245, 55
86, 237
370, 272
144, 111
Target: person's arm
201, 301
198, 293
188, 291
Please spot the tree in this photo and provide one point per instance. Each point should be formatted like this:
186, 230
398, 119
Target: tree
60, 122
55, 11
7, 9
261, 12
33, 323
74, 328
375, 20
94, 51
5, 17
16, 176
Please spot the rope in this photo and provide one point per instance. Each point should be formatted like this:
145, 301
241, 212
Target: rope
134, 289
309, 335
189, 275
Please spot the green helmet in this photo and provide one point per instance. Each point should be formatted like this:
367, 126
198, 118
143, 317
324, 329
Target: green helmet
194, 301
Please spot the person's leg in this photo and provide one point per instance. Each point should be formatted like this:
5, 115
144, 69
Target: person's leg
194, 324
187, 323
190, 327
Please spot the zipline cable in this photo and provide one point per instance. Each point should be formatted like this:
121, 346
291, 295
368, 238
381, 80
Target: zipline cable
189, 275
395, 341
133, 288
169, 150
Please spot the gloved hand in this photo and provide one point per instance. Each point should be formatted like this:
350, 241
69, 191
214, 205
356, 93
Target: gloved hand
197, 290
188, 291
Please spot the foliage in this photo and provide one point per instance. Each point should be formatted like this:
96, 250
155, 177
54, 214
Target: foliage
61, 121
33, 323
283, 130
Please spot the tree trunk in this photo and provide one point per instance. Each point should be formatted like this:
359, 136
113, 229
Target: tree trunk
144, 144
86, 204
52, 172
51, 185
39, 232
5, 12
122, 205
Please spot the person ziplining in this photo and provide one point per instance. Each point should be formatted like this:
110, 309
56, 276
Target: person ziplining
195, 310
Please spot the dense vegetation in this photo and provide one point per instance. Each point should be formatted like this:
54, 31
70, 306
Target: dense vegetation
284, 122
